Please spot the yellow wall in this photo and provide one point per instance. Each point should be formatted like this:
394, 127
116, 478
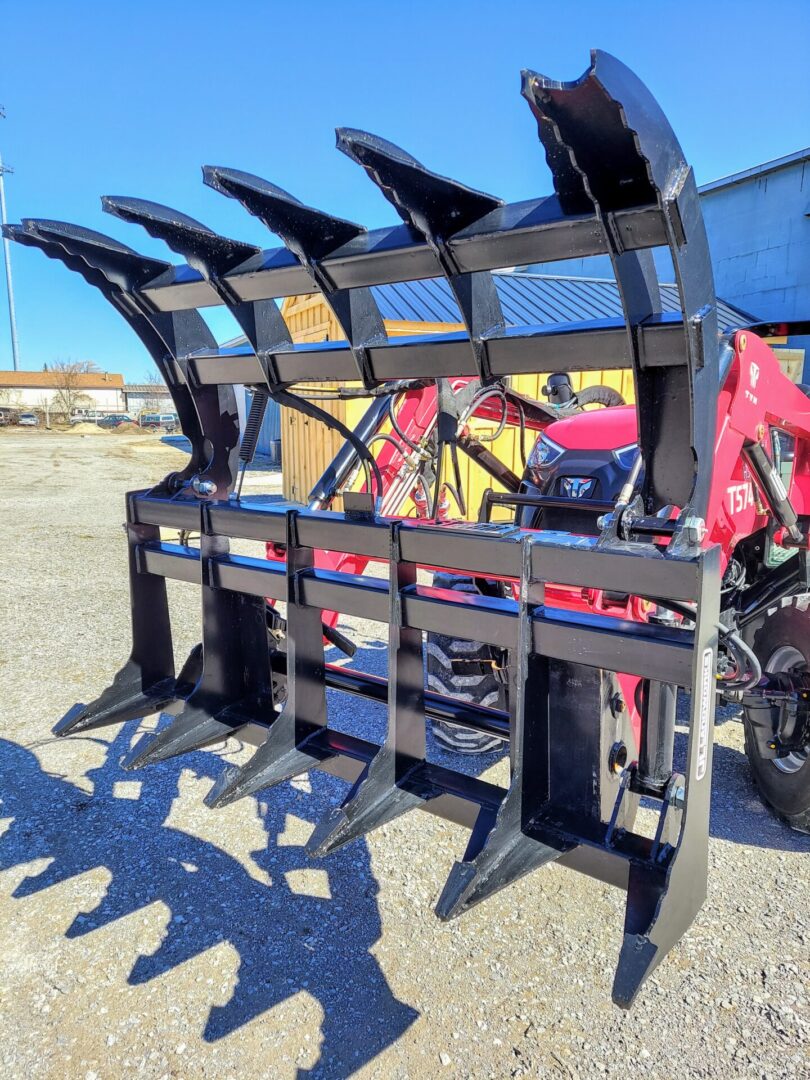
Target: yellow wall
307, 446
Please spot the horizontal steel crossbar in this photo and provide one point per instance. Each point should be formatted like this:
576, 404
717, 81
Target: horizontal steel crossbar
588, 345
481, 550
599, 641
532, 231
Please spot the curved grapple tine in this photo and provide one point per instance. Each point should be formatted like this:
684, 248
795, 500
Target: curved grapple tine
622, 151
119, 273
213, 256
204, 249
311, 234
437, 208
421, 197
101, 260
610, 146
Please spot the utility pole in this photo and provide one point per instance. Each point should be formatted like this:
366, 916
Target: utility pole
12, 318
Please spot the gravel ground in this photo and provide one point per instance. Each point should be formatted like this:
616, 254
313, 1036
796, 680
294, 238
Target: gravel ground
145, 935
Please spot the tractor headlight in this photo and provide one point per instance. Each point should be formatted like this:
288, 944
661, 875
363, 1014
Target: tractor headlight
626, 455
544, 453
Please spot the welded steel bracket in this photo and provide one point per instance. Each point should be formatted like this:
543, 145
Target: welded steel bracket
310, 235
436, 208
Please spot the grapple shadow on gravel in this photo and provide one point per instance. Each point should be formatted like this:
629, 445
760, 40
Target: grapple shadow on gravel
287, 942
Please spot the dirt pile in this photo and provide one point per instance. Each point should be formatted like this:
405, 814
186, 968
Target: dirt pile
130, 428
85, 429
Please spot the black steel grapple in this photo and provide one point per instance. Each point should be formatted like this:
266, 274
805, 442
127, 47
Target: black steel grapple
622, 188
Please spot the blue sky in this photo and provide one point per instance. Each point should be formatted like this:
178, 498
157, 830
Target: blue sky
132, 98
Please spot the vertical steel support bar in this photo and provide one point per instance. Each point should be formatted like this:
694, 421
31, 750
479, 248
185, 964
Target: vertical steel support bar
394, 781
286, 753
406, 671
499, 850
306, 694
663, 899
146, 683
235, 686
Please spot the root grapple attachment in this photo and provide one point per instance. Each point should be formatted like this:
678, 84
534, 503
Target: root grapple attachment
622, 187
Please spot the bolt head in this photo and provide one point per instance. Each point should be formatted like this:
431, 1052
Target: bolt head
694, 529
203, 487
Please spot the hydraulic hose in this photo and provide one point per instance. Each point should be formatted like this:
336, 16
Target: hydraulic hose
395, 425
599, 395
479, 400
742, 653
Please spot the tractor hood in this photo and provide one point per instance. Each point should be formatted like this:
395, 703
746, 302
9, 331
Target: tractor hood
599, 429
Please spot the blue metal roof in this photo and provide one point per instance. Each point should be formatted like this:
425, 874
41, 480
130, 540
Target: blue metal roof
529, 300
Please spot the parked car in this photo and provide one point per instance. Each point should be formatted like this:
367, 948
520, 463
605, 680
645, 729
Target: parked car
4, 418
160, 422
86, 416
115, 420
28, 419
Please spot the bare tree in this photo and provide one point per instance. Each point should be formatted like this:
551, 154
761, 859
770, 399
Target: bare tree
68, 394
44, 404
155, 395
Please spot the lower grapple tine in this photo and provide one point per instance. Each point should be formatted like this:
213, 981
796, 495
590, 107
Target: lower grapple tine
500, 851
193, 729
127, 699
294, 742
497, 855
71, 720
279, 758
397, 778
373, 801
641, 951
116, 706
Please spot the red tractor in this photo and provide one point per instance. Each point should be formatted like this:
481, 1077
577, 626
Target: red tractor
648, 550
578, 470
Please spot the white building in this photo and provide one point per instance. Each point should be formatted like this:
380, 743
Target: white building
147, 397
40, 390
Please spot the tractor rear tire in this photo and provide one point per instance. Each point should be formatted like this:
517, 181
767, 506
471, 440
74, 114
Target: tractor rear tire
478, 686
782, 643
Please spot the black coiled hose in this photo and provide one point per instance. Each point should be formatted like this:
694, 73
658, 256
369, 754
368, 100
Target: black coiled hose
598, 395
